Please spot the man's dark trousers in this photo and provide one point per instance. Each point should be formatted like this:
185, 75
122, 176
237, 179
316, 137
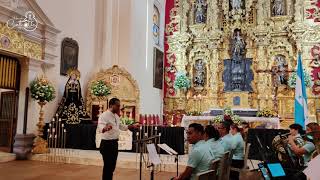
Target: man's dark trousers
109, 152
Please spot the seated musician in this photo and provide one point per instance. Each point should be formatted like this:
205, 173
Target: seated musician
238, 150
211, 135
225, 137
298, 146
200, 156
245, 129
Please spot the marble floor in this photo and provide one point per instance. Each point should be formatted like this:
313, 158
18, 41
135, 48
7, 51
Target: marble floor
36, 170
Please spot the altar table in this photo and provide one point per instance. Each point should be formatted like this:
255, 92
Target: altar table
270, 123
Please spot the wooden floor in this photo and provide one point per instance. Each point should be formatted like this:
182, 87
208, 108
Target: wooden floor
34, 170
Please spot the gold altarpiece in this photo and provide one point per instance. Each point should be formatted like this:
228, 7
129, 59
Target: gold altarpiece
123, 87
268, 35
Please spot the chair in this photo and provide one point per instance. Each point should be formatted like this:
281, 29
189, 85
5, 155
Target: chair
207, 175
245, 159
215, 166
225, 165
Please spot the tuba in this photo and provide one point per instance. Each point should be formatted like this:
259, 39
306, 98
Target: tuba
284, 153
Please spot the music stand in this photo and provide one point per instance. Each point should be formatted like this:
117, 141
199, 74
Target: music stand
141, 143
171, 152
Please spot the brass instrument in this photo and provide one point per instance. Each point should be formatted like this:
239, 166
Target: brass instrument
284, 153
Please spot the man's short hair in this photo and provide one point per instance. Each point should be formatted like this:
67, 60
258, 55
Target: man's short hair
297, 127
113, 101
197, 127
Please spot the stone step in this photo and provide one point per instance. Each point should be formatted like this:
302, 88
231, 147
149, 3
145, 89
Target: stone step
6, 157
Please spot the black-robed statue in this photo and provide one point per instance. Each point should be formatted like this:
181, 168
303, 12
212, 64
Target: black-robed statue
71, 108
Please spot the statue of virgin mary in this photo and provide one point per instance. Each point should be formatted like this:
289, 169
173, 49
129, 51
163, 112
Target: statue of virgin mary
71, 108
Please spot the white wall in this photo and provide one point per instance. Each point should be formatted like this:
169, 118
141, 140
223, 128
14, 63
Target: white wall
124, 38
75, 19
131, 42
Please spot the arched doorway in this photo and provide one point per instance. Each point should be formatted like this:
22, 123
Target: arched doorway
9, 92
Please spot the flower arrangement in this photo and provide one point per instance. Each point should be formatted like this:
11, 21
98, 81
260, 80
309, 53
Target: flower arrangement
100, 89
293, 77
266, 112
227, 115
127, 121
194, 113
181, 81
42, 90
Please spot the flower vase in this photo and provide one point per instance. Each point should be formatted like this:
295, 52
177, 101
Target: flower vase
40, 145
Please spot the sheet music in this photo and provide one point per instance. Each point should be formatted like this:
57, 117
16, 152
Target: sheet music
153, 155
168, 149
312, 171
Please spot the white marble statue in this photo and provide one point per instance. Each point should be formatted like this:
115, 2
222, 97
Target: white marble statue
278, 8
236, 4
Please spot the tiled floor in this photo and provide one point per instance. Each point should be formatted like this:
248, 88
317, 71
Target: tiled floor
36, 170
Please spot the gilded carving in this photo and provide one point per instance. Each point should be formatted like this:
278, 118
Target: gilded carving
18, 44
124, 88
271, 29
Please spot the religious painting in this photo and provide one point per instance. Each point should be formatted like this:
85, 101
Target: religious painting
69, 55
280, 71
156, 25
157, 68
115, 80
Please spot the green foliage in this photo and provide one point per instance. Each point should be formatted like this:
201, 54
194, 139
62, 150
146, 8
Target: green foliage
100, 89
41, 90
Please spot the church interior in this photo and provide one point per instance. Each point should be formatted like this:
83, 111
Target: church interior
159, 89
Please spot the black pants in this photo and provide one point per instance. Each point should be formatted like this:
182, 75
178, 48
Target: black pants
236, 164
109, 152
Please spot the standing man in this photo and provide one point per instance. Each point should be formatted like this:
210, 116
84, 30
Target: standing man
109, 125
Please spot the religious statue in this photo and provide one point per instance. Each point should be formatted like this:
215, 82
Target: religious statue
200, 72
238, 73
281, 63
238, 45
236, 4
71, 108
278, 8
200, 11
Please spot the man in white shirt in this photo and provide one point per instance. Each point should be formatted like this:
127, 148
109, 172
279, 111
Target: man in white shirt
109, 125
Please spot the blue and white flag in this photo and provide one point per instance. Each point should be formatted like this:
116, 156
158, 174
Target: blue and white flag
300, 102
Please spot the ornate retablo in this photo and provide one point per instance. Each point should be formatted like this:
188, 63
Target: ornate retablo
243, 49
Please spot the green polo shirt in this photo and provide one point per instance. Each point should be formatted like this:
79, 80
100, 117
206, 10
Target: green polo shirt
199, 158
216, 148
226, 142
238, 147
309, 147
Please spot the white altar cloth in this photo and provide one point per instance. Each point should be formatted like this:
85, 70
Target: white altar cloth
272, 123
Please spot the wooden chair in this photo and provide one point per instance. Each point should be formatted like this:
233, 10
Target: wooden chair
215, 166
245, 159
207, 175
225, 165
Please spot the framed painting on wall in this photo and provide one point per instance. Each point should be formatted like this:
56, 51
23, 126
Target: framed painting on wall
69, 55
157, 68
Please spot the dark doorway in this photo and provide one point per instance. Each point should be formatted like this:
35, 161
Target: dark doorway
9, 91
